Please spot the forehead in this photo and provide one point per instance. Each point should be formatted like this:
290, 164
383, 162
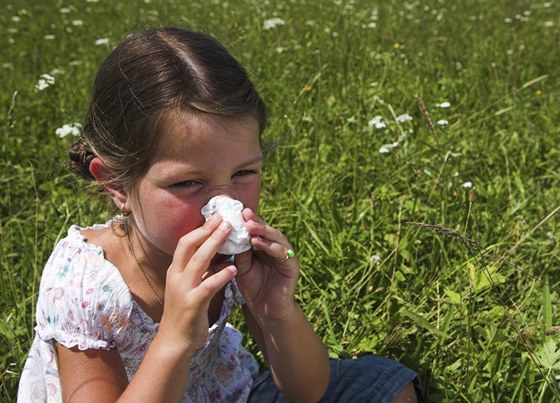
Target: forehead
199, 133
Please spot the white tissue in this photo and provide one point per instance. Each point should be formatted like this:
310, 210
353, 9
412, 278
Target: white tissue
230, 209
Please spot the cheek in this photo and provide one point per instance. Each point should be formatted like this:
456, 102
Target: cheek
253, 204
251, 198
166, 233
182, 220
167, 223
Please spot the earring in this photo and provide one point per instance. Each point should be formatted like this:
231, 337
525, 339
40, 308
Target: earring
125, 213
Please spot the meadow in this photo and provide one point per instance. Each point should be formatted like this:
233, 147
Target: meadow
412, 159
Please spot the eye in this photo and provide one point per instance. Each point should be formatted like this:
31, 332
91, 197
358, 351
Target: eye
246, 172
185, 184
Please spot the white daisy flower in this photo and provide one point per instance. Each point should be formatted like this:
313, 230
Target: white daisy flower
272, 23
102, 41
73, 129
386, 148
404, 118
375, 259
377, 122
45, 81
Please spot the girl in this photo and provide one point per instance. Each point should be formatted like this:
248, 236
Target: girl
136, 309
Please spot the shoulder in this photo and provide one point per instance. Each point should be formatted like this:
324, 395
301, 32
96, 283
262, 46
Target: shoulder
83, 299
77, 264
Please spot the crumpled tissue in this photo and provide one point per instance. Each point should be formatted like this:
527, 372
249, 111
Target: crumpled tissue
230, 209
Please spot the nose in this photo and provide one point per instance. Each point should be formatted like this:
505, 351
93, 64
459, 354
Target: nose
222, 190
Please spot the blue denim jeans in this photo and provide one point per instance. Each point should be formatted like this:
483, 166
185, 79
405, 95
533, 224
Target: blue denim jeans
368, 379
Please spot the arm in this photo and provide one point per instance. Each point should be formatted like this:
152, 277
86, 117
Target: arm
297, 358
99, 375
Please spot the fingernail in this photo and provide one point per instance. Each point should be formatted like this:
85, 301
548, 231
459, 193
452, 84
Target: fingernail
225, 226
214, 217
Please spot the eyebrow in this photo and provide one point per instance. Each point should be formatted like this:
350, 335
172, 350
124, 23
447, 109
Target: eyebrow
169, 174
253, 160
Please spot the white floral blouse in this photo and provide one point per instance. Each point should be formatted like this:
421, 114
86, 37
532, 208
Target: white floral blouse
84, 302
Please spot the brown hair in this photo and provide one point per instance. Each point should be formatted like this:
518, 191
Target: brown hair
147, 76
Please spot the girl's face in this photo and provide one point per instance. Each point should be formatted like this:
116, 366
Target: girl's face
200, 156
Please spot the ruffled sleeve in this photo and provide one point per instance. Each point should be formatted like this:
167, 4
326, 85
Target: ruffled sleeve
83, 300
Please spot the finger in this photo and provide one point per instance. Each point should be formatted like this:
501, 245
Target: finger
266, 238
262, 234
249, 215
189, 243
271, 241
200, 260
214, 283
265, 232
279, 252
257, 227
290, 254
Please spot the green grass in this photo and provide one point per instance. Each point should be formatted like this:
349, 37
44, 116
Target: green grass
478, 324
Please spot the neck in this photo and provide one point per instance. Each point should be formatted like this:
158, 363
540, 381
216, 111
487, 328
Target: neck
154, 279
152, 260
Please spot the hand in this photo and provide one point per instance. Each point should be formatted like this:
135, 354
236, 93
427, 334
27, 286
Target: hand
190, 286
266, 280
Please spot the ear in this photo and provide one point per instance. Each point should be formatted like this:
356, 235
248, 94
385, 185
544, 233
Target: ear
103, 175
